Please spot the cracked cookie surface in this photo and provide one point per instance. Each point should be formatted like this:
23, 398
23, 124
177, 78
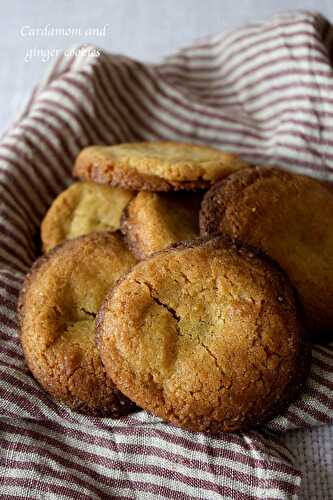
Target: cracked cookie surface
205, 335
290, 218
156, 166
154, 221
82, 208
57, 309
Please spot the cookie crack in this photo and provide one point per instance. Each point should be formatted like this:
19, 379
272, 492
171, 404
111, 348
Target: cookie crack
157, 300
154, 295
212, 355
88, 313
177, 318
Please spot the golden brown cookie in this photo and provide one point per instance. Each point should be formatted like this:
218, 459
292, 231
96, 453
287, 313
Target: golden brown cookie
155, 166
154, 221
290, 217
205, 335
81, 209
57, 308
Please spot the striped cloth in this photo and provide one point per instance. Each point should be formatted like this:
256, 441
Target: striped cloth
265, 91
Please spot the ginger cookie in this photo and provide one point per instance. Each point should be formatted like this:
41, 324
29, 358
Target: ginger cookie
289, 217
155, 166
57, 309
81, 209
154, 221
205, 335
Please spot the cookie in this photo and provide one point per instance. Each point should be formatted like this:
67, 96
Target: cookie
155, 166
154, 221
290, 217
205, 335
57, 309
81, 209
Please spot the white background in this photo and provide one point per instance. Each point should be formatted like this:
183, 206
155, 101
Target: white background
147, 30
144, 29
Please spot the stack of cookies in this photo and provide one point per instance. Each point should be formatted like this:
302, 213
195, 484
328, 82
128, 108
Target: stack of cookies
179, 279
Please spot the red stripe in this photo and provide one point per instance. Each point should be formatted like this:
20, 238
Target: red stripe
231, 455
220, 91
13, 263
25, 202
11, 204
146, 468
8, 244
218, 63
318, 415
293, 133
89, 483
324, 352
42, 487
240, 57
106, 116
8, 288
7, 303
42, 113
17, 236
193, 445
131, 133
55, 73
274, 444
61, 158
109, 105
177, 131
24, 176
29, 103
112, 105
297, 85
21, 260
13, 218
323, 382
157, 106
52, 106
18, 202
33, 146
85, 119
11, 276
135, 449
185, 105
131, 113
38, 393
101, 122
323, 365
10, 338
195, 81
229, 39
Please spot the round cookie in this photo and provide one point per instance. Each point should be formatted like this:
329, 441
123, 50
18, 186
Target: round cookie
289, 217
154, 221
155, 166
205, 335
57, 309
81, 209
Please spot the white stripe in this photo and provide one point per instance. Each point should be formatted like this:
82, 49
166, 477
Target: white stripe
151, 460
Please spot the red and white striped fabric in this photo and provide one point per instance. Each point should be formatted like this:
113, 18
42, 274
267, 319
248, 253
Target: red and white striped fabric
265, 91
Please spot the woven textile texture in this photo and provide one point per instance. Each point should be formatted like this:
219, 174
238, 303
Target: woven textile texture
265, 91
